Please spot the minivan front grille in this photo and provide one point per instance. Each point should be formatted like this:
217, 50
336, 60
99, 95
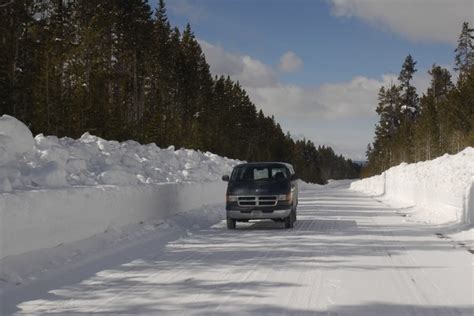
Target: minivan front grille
257, 200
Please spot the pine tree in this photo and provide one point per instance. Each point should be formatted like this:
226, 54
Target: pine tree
431, 128
409, 95
461, 114
158, 81
409, 110
464, 59
388, 127
17, 62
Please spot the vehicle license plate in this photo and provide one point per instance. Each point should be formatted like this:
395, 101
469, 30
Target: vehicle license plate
257, 213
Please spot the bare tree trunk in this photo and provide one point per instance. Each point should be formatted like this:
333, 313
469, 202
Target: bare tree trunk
428, 150
47, 93
135, 88
13, 75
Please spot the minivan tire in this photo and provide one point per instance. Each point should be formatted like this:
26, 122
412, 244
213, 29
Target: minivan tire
231, 223
289, 221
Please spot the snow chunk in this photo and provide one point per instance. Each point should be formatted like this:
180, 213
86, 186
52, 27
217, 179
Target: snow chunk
51, 175
117, 177
15, 139
5, 185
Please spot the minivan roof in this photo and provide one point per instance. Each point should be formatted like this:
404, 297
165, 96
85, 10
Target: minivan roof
264, 163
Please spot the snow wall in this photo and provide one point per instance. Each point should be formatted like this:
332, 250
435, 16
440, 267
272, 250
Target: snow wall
33, 220
442, 189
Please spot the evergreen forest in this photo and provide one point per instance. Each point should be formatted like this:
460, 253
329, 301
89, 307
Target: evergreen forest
414, 127
120, 70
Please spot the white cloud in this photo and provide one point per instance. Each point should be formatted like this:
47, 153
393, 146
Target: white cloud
186, 8
354, 98
325, 113
424, 20
247, 70
290, 62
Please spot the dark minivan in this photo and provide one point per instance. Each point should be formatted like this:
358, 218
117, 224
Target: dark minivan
262, 190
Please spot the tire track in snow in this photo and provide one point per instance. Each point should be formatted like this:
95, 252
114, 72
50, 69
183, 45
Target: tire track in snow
251, 271
124, 293
409, 280
183, 263
227, 272
418, 280
282, 273
316, 297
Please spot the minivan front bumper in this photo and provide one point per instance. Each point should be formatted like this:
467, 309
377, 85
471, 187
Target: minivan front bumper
258, 214
281, 210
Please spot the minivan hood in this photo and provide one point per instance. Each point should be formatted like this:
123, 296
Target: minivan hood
258, 187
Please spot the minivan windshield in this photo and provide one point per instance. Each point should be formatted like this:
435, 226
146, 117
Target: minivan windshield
255, 173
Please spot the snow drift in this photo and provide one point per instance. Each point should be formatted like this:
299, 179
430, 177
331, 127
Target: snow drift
55, 191
441, 190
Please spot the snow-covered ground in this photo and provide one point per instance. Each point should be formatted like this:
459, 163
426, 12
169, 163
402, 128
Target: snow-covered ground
438, 192
348, 254
93, 226
26, 268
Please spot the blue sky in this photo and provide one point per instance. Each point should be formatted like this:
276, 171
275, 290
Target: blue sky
317, 65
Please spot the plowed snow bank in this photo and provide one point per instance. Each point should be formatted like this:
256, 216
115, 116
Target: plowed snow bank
42, 162
55, 191
441, 190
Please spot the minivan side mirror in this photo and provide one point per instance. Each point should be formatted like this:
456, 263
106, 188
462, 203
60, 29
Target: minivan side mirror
225, 178
294, 177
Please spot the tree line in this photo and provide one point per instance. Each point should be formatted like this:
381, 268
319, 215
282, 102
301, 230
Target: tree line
121, 71
414, 128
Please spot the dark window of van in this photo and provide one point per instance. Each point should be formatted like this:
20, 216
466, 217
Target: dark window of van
254, 173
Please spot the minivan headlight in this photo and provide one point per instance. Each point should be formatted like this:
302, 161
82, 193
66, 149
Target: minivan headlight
285, 197
232, 198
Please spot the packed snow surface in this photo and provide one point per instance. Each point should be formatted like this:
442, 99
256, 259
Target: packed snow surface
45, 162
348, 255
439, 191
26, 267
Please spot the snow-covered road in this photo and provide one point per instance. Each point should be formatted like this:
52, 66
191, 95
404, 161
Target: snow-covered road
348, 255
